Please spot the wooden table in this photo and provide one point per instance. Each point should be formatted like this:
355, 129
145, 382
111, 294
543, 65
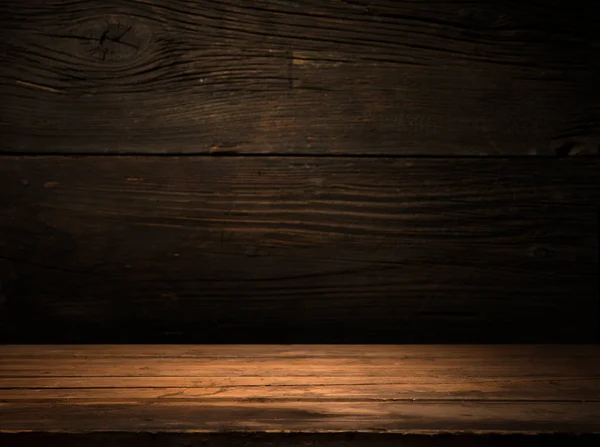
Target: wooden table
310, 389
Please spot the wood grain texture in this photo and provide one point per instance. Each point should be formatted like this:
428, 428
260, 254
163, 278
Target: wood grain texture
304, 77
294, 439
293, 351
434, 391
395, 417
313, 250
307, 372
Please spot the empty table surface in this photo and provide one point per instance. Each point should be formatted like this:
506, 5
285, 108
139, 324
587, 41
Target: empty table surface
300, 388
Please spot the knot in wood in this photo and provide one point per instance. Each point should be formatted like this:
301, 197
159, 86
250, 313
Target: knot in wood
112, 40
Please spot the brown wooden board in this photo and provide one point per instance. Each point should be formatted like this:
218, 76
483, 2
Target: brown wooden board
477, 353
299, 372
293, 439
314, 250
387, 416
477, 389
305, 77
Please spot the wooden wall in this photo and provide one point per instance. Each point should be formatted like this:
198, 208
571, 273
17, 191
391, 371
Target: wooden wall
299, 171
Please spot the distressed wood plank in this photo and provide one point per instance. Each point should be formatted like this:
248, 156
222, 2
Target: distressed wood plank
543, 387
310, 77
307, 372
101, 439
479, 353
314, 250
311, 417
413, 389
309, 367
452, 392
338, 367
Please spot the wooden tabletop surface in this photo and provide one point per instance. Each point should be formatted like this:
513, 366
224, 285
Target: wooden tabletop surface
300, 388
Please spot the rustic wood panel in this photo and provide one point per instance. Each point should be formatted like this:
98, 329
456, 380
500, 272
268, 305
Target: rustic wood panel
238, 249
436, 391
305, 77
387, 416
291, 367
417, 388
306, 372
102, 439
541, 387
478, 353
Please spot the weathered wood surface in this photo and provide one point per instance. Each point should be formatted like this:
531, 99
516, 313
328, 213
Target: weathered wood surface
356, 351
483, 389
313, 250
288, 372
293, 439
304, 77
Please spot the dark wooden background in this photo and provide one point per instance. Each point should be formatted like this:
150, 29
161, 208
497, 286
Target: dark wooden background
299, 171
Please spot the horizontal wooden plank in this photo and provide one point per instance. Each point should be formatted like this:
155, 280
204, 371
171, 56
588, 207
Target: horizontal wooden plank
478, 353
434, 364
111, 374
405, 372
587, 390
515, 387
278, 367
442, 389
263, 250
246, 76
335, 439
313, 417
